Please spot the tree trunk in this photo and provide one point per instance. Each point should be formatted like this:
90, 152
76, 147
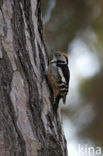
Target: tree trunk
28, 126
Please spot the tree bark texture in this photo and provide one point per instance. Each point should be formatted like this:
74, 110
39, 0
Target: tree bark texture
28, 126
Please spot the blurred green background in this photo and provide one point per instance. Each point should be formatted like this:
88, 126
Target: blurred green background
76, 27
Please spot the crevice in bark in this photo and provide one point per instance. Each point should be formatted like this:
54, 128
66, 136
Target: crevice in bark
38, 15
1, 3
28, 15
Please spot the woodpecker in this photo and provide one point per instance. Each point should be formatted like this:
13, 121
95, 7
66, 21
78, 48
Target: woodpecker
58, 75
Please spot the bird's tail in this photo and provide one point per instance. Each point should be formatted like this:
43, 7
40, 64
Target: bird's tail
64, 99
56, 103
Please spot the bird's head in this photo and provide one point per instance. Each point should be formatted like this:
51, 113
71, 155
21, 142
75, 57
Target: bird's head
61, 56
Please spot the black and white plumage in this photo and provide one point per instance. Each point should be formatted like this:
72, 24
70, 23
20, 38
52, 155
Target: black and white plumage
58, 76
63, 82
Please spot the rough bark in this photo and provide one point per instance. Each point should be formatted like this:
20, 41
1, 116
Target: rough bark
28, 126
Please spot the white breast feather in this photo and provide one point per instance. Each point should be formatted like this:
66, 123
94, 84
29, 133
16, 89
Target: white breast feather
61, 74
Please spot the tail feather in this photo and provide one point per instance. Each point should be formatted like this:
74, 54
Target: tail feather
64, 99
56, 103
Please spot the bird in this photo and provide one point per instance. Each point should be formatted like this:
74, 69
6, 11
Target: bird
58, 75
